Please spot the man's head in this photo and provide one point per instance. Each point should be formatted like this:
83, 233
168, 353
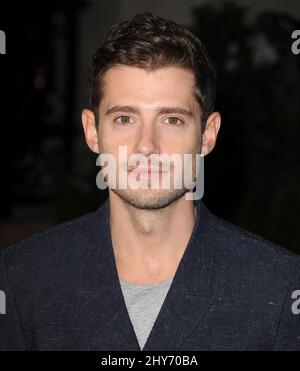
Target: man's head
150, 43
152, 88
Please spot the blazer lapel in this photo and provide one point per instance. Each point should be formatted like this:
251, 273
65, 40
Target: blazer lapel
190, 295
109, 326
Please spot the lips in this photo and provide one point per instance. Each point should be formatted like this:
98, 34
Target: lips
147, 173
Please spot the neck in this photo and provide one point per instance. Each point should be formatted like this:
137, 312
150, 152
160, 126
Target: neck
152, 240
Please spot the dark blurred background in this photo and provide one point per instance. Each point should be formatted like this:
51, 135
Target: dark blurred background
48, 174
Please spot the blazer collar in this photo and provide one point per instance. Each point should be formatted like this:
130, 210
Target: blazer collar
186, 304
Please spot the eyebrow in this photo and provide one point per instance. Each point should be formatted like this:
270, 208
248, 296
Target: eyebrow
161, 110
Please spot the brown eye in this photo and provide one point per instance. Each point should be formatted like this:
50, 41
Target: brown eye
174, 121
123, 120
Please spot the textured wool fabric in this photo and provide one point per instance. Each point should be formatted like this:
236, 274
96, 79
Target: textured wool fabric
232, 291
143, 303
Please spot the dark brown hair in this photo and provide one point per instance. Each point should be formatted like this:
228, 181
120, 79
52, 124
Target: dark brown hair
151, 42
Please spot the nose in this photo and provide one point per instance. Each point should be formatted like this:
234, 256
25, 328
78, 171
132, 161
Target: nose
147, 141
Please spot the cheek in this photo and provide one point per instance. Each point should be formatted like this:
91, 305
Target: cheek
116, 143
114, 136
105, 143
182, 143
108, 141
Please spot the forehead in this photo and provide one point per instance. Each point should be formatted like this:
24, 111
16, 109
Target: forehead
170, 85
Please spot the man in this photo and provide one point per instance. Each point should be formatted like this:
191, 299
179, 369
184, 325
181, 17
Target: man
150, 269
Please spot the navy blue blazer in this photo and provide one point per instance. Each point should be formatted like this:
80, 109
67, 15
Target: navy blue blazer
232, 291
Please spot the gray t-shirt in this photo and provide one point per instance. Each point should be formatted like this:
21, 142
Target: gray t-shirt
143, 304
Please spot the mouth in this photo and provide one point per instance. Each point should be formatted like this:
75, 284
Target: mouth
147, 173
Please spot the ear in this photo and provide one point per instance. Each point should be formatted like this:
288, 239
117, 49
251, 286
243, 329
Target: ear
90, 129
210, 134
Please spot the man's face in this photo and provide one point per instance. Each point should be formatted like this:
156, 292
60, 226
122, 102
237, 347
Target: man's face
149, 113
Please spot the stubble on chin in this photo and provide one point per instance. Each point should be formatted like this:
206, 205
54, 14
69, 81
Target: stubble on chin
152, 200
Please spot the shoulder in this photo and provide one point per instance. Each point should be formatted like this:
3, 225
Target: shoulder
256, 282
243, 241
54, 249
251, 257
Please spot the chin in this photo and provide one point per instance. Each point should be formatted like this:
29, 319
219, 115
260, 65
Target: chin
150, 199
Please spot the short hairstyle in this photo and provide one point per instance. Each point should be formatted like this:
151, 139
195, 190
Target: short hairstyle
151, 42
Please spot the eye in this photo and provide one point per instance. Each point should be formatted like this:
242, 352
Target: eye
175, 121
123, 120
